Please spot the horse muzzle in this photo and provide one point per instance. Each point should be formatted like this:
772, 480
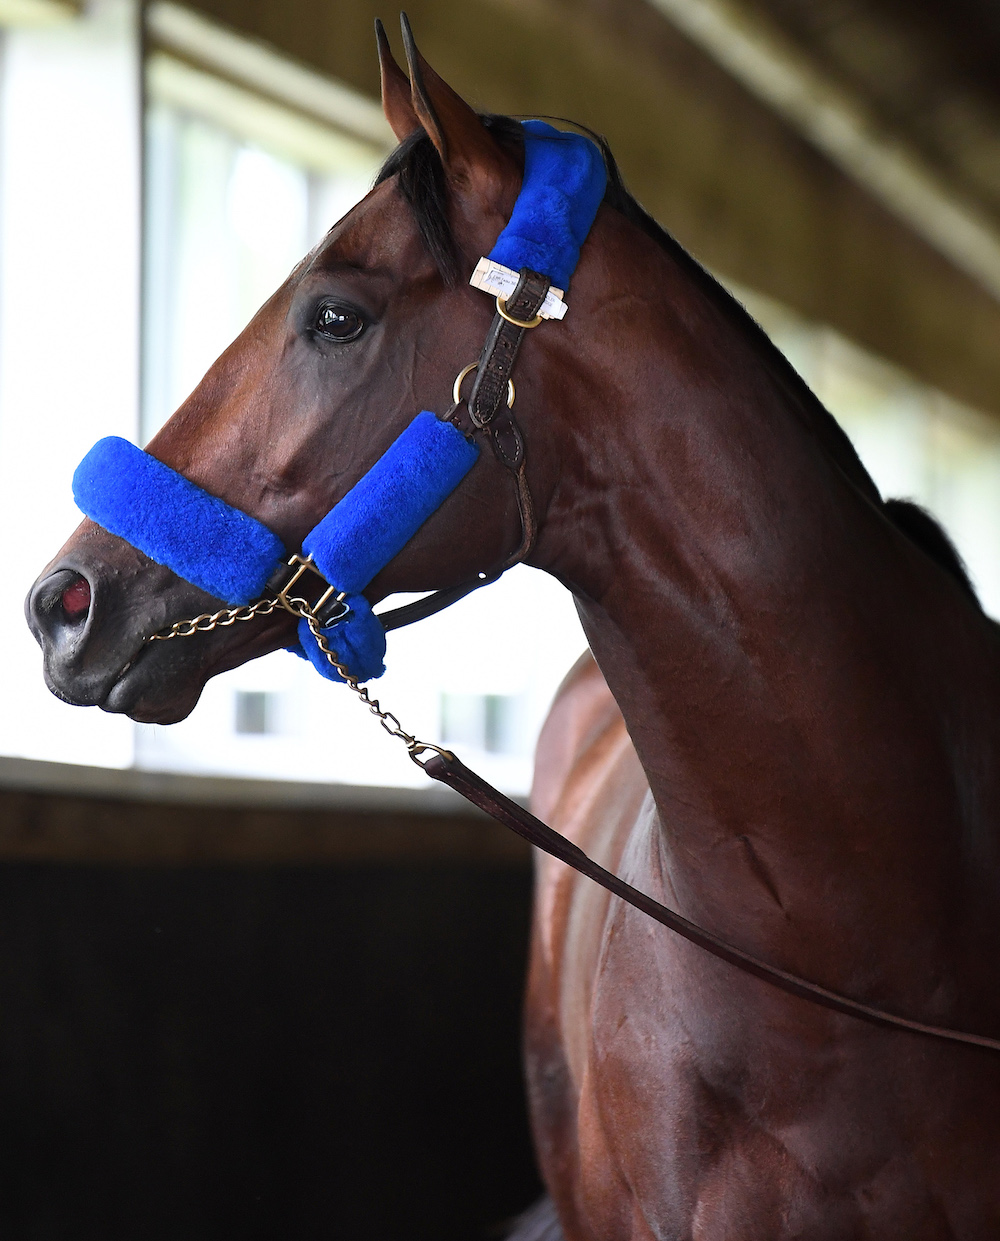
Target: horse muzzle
93, 610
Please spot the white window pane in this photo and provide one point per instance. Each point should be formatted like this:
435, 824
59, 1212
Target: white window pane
69, 318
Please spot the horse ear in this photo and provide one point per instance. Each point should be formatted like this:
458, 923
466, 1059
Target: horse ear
396, 103
469, 153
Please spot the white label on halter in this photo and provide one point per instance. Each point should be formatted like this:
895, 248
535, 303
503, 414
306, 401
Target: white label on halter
501, 281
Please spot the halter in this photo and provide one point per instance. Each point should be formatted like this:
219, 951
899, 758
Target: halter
235, 557
232, 555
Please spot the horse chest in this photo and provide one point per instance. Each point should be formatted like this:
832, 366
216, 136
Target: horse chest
673, 1097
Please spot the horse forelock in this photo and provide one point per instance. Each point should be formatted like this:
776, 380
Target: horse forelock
423, 184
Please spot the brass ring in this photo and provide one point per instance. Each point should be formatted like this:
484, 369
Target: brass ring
502, 312
456, 392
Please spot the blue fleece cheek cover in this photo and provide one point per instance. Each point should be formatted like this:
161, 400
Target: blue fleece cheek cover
231, 555
373, 523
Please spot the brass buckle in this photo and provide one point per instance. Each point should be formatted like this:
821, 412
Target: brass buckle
295, 603
523, 323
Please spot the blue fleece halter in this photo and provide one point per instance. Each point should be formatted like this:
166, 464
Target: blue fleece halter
231, 555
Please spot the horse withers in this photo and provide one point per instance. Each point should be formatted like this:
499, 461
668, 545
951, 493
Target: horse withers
790, 733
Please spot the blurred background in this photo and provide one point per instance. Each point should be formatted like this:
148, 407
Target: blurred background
253, 973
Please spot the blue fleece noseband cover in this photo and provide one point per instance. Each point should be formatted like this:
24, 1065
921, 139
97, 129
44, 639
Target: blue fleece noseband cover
226, 552
231, 555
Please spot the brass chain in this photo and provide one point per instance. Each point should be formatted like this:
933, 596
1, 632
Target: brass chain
208, 621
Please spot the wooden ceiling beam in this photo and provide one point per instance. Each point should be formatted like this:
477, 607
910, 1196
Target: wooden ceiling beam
743, 188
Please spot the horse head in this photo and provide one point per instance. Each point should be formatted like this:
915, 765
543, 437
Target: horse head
372, 326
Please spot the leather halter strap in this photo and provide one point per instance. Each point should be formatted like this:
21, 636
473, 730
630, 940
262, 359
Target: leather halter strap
448, 769
486, 411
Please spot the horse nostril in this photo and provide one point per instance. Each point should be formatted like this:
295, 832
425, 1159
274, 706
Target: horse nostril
59, 609
76, 598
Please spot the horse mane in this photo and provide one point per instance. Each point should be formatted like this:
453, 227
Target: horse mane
422, 183
929, 535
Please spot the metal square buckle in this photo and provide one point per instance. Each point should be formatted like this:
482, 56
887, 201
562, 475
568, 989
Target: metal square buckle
291, 574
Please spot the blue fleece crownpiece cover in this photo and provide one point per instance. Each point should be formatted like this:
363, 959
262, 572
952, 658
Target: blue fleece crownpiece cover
564, 182
231, 554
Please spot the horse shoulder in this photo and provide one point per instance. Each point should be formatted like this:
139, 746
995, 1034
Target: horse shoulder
583, 739
589, 786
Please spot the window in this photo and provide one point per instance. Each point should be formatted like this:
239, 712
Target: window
256, 712
227, 217
484, 722
70, 192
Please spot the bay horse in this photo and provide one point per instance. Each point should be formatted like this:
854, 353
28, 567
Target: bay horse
790, 733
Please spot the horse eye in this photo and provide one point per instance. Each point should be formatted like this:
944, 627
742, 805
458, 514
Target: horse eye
339, 323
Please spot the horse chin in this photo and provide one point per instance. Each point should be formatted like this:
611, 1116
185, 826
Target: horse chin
143, 688
163, 683
149, 698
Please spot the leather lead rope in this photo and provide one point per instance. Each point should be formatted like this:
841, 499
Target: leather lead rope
448, 769
487, 412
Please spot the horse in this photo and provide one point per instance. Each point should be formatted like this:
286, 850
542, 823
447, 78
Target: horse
787, 730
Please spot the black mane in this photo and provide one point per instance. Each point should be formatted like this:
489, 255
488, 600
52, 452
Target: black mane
423, 185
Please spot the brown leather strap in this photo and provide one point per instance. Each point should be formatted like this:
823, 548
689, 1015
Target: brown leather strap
451, 771
487, 411
488, 401
436, 601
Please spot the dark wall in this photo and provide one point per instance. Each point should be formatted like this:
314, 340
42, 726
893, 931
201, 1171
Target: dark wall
262, 1051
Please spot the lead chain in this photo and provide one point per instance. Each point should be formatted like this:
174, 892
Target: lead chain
389, 722
208, 621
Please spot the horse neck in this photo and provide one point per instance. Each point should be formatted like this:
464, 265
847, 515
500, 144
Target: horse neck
745, 597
